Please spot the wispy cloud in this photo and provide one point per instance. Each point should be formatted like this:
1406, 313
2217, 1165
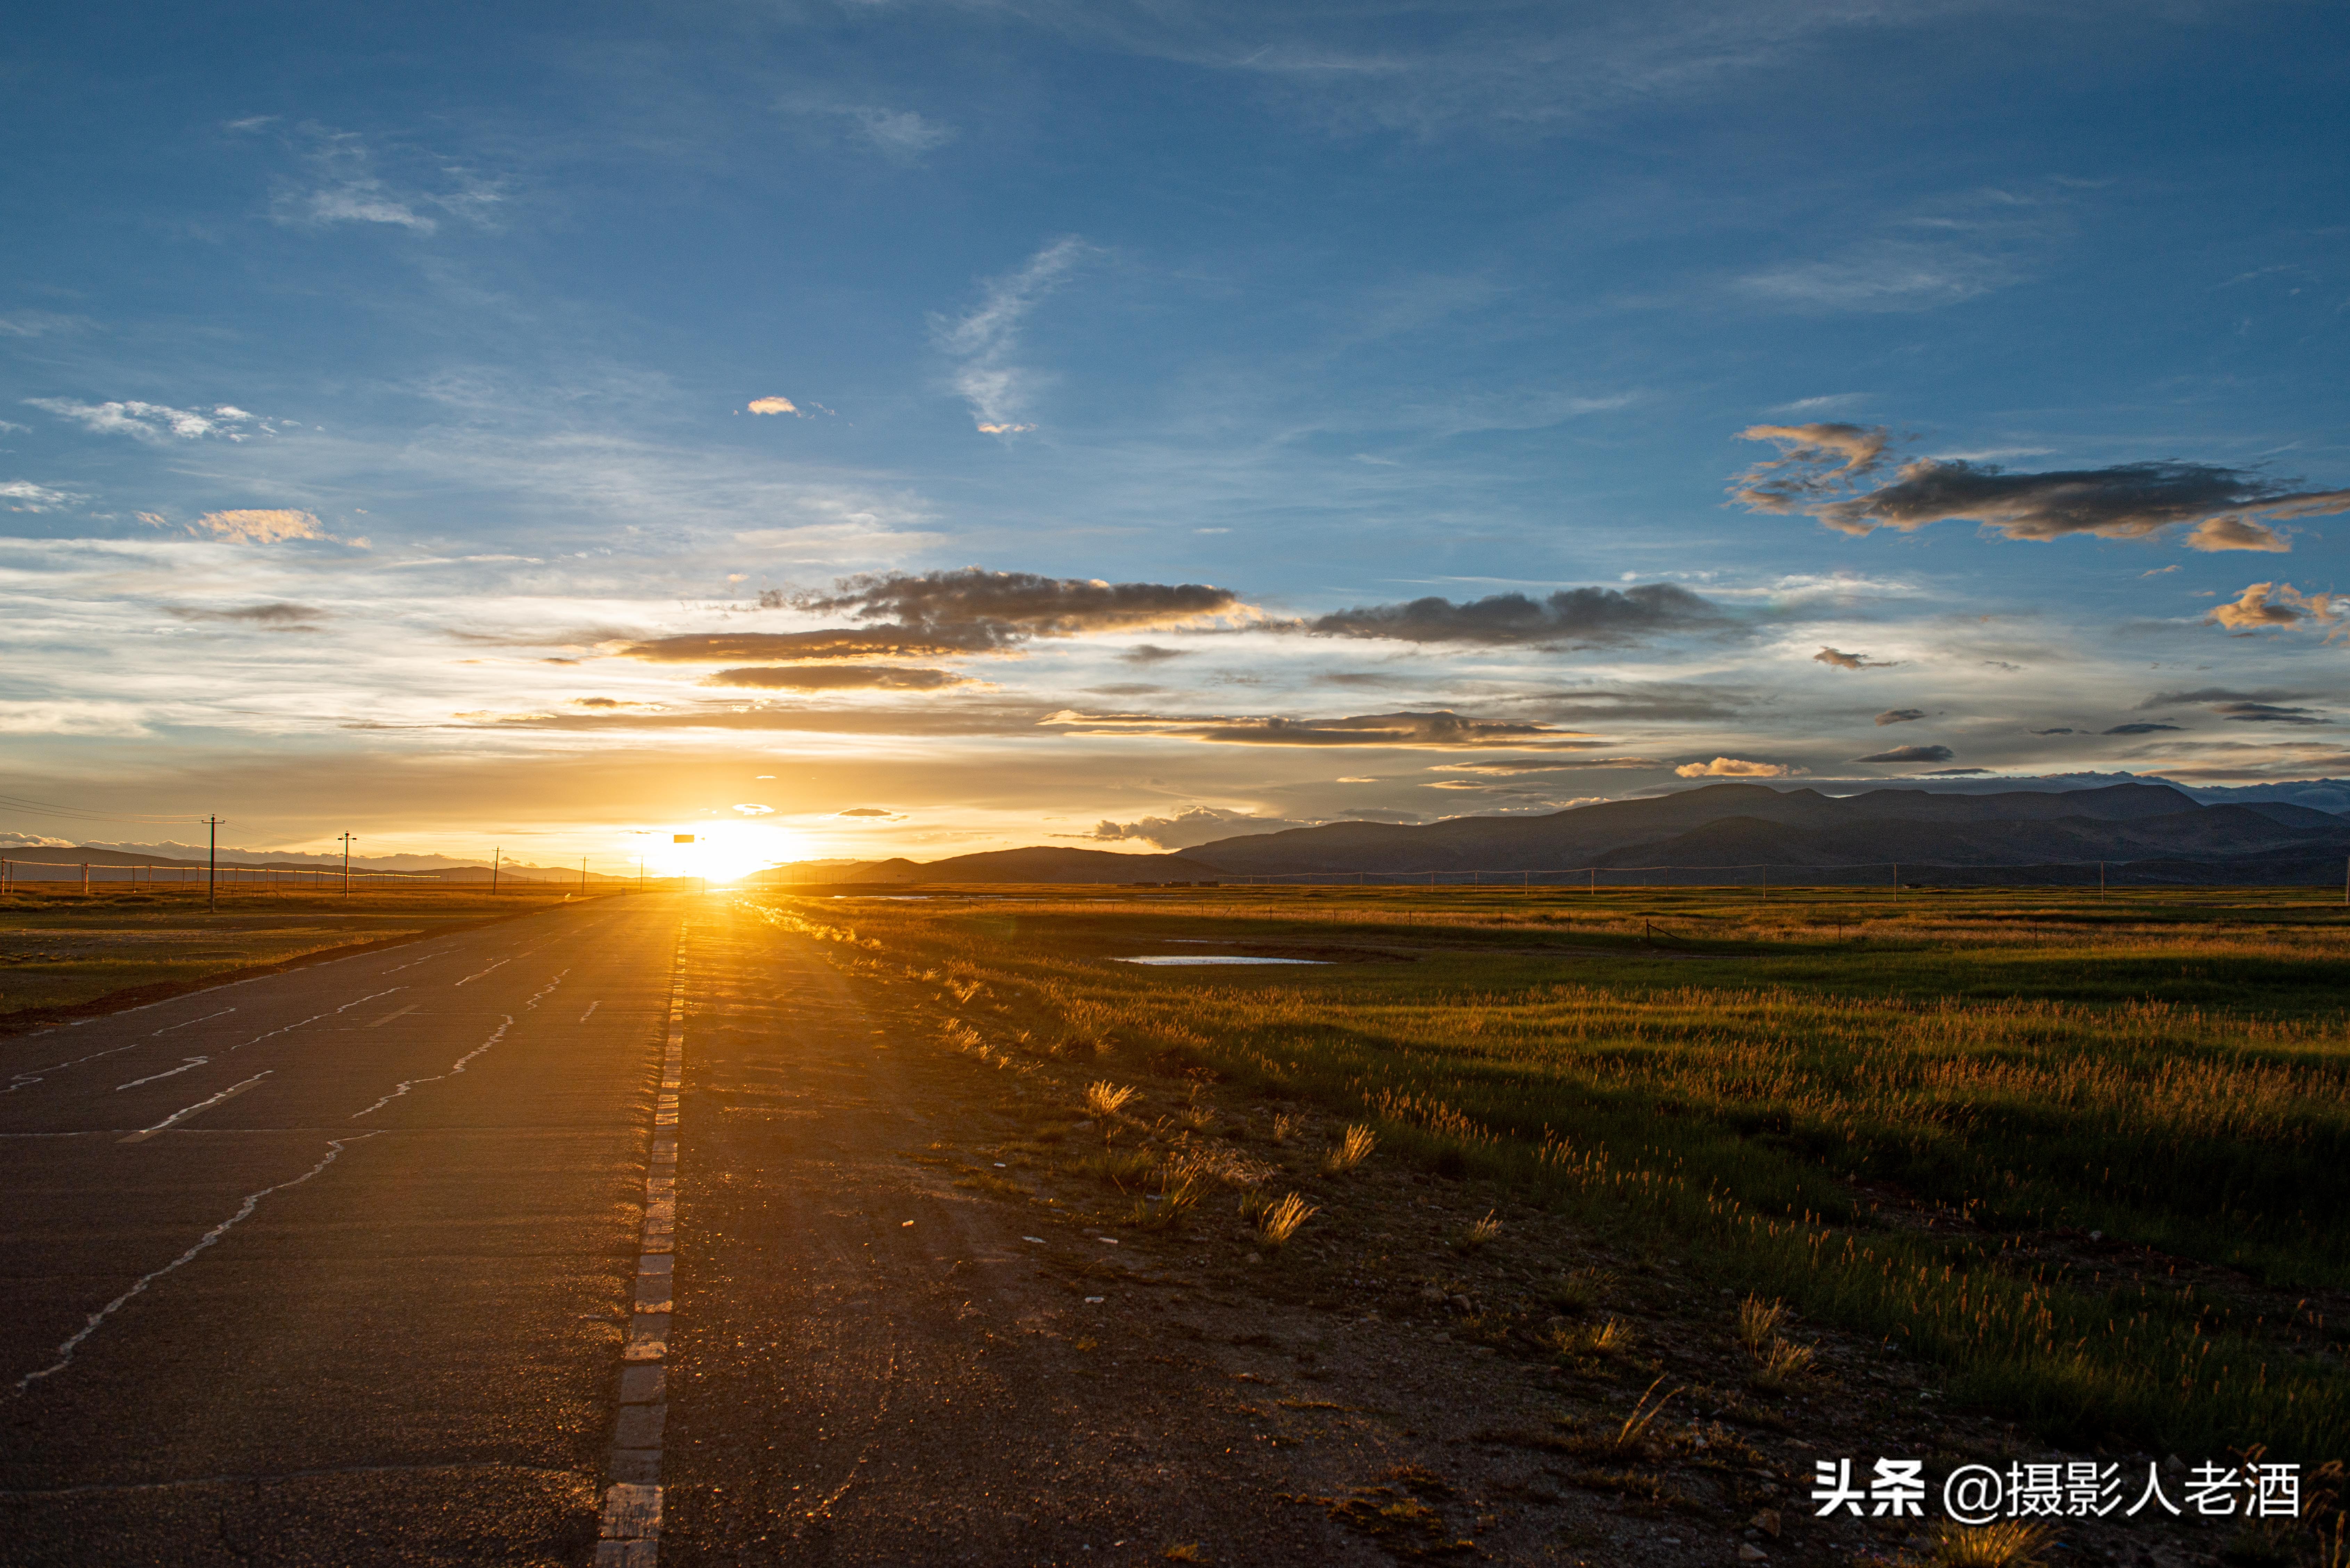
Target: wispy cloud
1838, 658
266, 526
158, 424
1438, 729
24, 495
2274, 606
837, 678
901, 135
1910, 754
339, 183
40, 324
985, 342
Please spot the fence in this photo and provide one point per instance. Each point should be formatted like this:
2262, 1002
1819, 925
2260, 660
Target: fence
266, 878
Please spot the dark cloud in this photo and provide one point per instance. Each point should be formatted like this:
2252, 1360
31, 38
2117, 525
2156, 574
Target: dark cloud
2268, 713
978, 610
942, 614
843, 642
837, 678
1843, 661
1898, 715
951, 715
1151, 653
2262, 707
608, 702
2141, 729
1514, 765
865, 811
2056, 732
1443, 728
1831, 471
1910, 754
1574, 618
1954, 773
276, 617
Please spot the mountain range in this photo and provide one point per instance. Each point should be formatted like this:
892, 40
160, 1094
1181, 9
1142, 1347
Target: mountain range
2143, 832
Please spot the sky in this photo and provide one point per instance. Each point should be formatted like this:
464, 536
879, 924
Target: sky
849, 428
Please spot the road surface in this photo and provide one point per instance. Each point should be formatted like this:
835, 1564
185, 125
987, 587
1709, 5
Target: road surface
366, 1263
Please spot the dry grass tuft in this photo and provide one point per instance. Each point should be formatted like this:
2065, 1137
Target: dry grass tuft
1479, 1235
1758, 1321
1283, 1125
1575, 1292
1354, 1148
1278, 1221
1183, 1551
1106, 1099
1612, 1338
1780, 1365
2011, 1543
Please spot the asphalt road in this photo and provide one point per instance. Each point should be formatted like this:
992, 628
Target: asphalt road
331, 1266
369, 1263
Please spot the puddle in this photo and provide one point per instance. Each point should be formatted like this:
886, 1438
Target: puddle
1171, 959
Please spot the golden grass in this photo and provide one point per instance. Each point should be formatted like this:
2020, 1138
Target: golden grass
1352, 1150
1758, 1321
2010, 1544
1280, 1220
1106, 1099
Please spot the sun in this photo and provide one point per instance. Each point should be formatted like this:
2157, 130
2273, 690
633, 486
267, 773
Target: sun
729, 851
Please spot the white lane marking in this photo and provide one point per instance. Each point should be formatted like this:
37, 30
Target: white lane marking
390, 1016
591, 1009
168, 1073
244, 1210
32, 1075
532, 1003
183, 1114
223, 1012
495, 1036
471, 978
314, 1018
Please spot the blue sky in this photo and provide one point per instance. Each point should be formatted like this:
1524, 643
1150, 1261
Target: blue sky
379, 399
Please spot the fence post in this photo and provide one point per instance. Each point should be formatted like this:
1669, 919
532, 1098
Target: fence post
85, 878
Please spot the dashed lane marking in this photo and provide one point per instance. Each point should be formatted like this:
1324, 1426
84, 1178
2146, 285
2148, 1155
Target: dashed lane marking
187, 1065
143, 1134
390, 1016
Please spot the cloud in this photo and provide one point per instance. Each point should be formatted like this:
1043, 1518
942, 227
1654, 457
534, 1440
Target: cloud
1443, 728
2140, 728
2237, 534
24, 495
756, 810
40, 324
773, 405
1900, 715
900, 134
2268, 713
158, 424
1884, 276
2061, 731
1148, 653
1735, 768
1825, 471
1910, 754
1843, 661
2266, 707
1953, 773
980, 611
984, 342
265, 527
340, 184
1192, 825
865, 811
278, 617
838, 678
1576, 617
2266, 606
836, 642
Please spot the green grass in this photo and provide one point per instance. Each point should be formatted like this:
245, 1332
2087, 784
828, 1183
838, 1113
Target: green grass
2170, 1069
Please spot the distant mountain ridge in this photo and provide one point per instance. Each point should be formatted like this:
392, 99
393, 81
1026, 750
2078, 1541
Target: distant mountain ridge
1735, 825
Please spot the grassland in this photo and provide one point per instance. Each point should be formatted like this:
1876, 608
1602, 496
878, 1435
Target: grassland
62, 951
2091, 1155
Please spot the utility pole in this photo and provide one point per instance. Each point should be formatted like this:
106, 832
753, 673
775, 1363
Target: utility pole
2101, 878
212, 866
347, 865
583, 875
493, 869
